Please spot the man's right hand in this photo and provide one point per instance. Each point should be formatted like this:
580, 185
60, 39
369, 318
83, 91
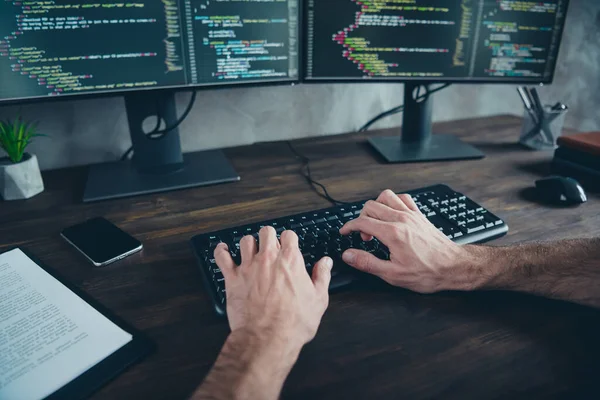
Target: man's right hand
422, 258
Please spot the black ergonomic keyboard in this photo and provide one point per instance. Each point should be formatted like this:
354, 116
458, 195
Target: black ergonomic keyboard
457, 216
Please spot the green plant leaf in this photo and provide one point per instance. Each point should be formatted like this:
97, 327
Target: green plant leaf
15, 136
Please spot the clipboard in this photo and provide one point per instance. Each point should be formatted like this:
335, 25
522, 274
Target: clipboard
108, 369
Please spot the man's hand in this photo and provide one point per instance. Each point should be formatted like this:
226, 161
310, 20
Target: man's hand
274, 308
270, 293
424, 260
421, 257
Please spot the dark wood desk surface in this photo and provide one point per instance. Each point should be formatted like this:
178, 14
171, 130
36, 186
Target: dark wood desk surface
374, 341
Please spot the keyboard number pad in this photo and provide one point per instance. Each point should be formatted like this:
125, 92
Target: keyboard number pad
460, 214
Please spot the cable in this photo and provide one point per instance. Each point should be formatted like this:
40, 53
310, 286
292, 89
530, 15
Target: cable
156, 133
306, 173
400, 108
384, 114
305, 169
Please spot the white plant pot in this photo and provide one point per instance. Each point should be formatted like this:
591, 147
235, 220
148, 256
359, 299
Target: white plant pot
22, 180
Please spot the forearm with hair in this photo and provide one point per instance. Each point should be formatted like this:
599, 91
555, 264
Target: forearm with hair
249, 367
566, 270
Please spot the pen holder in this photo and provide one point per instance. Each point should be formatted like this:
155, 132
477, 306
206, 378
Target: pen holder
542, 135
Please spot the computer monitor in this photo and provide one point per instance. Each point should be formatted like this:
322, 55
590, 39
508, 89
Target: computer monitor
421, 42
146, 50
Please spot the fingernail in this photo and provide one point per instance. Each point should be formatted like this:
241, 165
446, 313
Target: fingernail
328, 263
348, 256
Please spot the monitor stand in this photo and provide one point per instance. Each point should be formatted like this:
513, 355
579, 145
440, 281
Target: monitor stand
158, 165
416, 143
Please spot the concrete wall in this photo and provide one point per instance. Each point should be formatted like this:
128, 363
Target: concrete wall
89, 131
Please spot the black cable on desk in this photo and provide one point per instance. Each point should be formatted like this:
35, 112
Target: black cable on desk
156, 133
306, 173
399, 109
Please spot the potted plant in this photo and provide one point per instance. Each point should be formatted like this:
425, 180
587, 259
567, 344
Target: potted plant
20, 176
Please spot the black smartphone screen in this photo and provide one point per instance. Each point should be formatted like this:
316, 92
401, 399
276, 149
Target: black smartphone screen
101, 241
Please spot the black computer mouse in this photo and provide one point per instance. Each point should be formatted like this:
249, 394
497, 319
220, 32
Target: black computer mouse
560, 190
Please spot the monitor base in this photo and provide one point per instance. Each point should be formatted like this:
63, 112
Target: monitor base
122, 179
435, 148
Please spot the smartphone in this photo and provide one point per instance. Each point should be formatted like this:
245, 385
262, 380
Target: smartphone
100, 241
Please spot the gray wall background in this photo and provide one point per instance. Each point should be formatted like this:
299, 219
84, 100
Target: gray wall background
90, 131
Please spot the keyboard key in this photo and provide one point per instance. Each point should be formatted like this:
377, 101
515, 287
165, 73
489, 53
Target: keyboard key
492, 219
475, 226
309, 267
213, 241
382, 253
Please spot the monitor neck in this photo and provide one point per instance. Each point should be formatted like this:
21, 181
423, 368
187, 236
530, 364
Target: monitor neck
418, 107
161, 153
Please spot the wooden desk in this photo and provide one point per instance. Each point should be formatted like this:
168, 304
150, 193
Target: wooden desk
374, 341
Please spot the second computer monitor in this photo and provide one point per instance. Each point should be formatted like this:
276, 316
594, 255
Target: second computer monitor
435, 40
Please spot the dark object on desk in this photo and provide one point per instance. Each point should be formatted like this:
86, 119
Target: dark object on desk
457, 216
587, 142
100, 241
588, 177
578, 156
560, 190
